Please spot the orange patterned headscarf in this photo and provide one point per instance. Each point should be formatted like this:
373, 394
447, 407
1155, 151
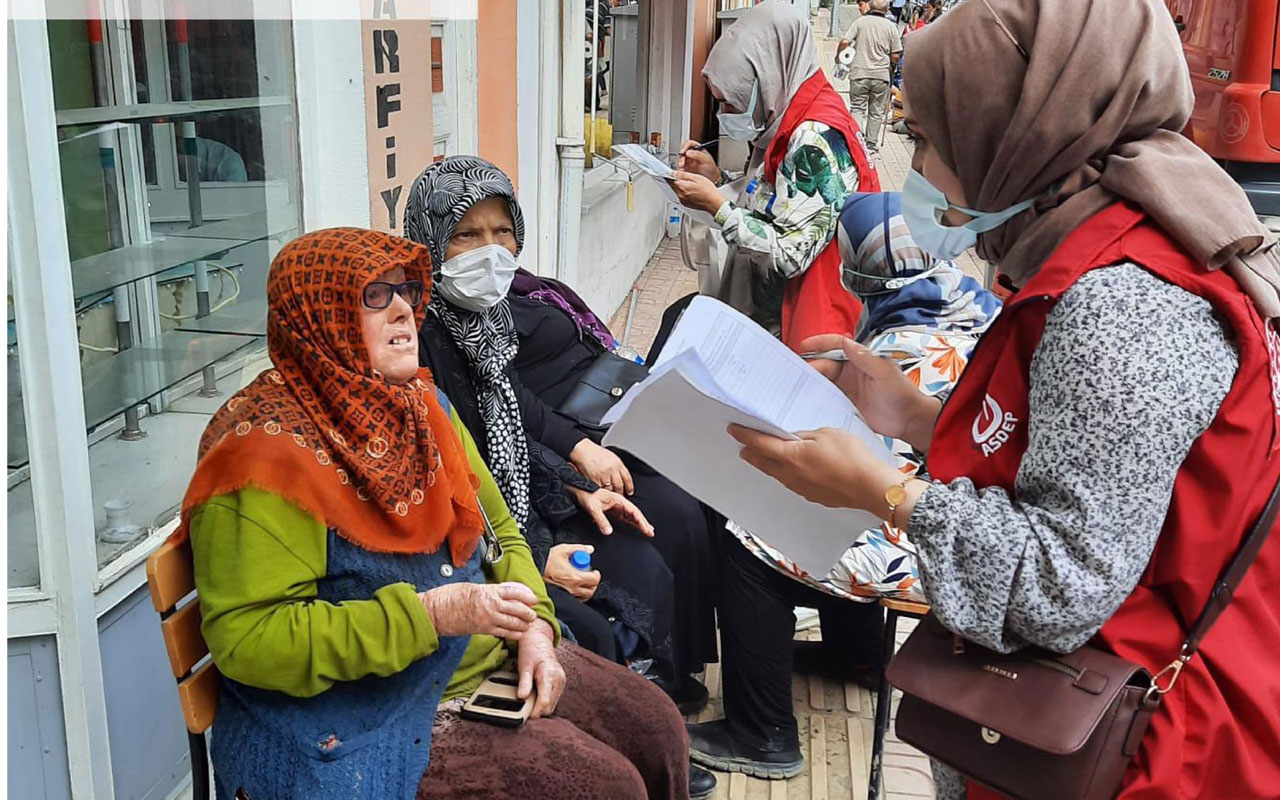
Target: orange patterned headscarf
380, 463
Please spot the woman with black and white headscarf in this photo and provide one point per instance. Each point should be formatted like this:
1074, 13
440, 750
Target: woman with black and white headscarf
464, 210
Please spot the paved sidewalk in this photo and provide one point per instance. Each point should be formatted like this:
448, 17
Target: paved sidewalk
665, 280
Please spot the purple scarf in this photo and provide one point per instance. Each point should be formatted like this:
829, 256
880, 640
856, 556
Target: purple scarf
550, 292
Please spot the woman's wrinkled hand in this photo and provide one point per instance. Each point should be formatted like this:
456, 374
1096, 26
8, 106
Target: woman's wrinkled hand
828, 466
540, 669
698, 162
603, 466
577, 582
497, 609
890, 403
696, 191
602, 504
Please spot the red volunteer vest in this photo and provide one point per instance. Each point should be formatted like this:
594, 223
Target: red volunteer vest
816, 301
1218, 732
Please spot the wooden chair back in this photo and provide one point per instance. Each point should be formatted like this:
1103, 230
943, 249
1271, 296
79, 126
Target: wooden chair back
171, 578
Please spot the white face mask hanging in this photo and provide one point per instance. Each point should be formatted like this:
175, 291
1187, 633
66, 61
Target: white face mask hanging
742, 126
478, 279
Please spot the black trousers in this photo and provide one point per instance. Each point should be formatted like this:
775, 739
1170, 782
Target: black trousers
588, 625
685, 534
757, 626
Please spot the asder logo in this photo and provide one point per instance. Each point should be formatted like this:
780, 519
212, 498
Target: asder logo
992, 426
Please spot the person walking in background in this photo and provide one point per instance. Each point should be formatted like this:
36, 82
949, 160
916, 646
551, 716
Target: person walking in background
877, 46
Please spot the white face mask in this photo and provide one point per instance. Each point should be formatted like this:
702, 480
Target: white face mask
923, 205
478, 279
742, 126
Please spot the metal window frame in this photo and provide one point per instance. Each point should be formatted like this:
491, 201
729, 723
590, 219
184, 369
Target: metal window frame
54, 410
73, 593
457, 106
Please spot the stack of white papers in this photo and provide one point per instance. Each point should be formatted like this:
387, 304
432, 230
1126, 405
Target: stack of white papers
719, 367
661, 172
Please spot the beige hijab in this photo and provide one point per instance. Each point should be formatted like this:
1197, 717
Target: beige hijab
1078, 103
773, 43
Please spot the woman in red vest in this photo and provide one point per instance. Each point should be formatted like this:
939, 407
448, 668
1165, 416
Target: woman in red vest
807, 157
1115, 434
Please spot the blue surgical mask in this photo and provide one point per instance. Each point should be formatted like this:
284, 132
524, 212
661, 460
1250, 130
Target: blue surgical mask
923, 205
742, 126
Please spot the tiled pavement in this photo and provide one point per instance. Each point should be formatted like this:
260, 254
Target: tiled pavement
835, 721
665, 280
835, 718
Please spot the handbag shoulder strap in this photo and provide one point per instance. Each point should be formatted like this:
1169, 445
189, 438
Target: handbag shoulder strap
1224, 588
1220, 597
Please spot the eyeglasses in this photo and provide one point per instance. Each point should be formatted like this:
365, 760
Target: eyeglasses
377, 295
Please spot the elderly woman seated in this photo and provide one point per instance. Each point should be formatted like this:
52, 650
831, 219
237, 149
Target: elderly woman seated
649, 597
351, 596
927, 316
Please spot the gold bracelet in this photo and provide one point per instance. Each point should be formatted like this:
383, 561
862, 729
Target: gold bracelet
895, 496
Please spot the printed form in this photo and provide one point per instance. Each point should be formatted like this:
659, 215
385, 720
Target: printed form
660, 171
719, 367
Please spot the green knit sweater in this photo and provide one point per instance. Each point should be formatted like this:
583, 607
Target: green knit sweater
257, 560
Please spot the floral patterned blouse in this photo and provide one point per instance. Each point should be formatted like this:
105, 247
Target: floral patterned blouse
790, 221
932, 349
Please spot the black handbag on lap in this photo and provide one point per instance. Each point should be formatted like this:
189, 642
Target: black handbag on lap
600, 387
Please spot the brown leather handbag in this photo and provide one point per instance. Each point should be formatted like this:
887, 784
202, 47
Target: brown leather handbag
1035, 725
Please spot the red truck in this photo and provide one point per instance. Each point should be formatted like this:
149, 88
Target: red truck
1232, 48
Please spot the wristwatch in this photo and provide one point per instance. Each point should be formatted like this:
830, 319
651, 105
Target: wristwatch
895, 496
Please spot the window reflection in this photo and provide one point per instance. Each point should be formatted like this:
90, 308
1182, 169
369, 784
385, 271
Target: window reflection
24, 566
180, 182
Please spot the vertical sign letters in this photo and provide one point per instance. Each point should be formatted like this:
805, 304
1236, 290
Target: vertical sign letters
397, 83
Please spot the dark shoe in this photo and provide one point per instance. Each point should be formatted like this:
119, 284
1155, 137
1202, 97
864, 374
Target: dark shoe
691, 697
702, 784
712, 745
810, 658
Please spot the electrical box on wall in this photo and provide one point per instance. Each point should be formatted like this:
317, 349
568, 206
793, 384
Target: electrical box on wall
626, 93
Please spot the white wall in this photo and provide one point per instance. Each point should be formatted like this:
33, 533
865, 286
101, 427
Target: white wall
329, 62
616, 243
528, 131
670, 66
